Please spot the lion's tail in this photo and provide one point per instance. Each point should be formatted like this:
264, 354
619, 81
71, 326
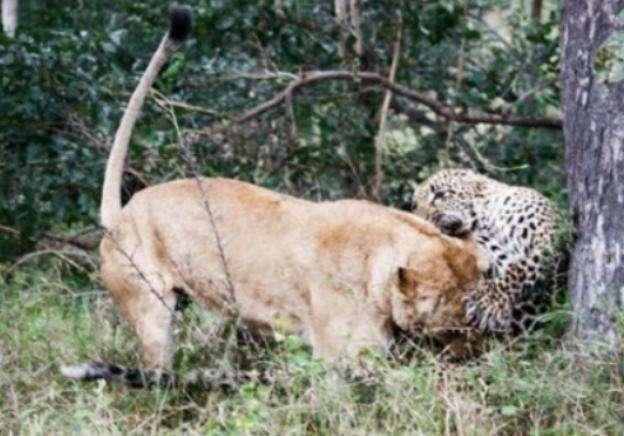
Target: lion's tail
108, 371
139, 378
179, 28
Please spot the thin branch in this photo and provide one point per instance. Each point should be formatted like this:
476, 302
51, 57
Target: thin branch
487, 165
230, 297
164, 102
294, 130
383, 116
9, 230
259, 75
64, 255
79, 129
85, 241
340, 9
206, 204
141, 275
500, 38
449, 131
450, 113
356, 23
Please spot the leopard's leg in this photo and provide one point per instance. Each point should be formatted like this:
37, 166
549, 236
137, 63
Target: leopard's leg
489, 308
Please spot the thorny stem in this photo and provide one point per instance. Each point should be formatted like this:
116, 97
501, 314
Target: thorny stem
206, 203
140, 273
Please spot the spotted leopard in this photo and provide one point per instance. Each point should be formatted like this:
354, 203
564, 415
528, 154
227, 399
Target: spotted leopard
514, 225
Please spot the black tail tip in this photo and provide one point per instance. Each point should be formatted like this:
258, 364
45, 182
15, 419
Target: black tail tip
180, 22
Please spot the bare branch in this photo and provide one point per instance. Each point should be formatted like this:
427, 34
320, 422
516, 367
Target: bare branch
64, 255
500, 38
141, 275
383, 115
294, 131
450, 113
164, 102
188, 157
9, 230
260, 75
84, 241
356, 23
340, 9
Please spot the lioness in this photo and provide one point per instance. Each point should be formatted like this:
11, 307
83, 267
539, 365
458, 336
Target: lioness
340, 274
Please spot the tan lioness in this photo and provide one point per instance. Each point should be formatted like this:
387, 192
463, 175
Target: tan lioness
339, 274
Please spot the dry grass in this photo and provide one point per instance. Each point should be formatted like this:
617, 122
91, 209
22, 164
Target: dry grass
50, 317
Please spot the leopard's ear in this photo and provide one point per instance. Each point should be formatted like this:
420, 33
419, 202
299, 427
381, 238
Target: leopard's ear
407, 280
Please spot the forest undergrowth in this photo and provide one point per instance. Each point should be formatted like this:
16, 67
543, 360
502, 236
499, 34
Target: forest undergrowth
52, 315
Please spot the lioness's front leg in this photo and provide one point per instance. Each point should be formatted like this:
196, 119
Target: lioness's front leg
145, 298
342, 325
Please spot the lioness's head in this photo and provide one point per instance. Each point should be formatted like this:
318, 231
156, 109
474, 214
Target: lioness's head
429, 297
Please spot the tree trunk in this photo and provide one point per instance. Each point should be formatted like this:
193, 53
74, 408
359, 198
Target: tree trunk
594, 137
9, 17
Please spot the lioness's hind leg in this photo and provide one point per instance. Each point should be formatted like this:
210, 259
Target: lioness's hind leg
147, 301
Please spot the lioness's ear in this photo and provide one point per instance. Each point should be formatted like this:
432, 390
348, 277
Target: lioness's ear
465, 258
407, 281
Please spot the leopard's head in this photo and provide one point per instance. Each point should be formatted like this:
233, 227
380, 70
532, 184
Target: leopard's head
448, 199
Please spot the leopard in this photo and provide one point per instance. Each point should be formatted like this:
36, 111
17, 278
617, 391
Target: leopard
515, 227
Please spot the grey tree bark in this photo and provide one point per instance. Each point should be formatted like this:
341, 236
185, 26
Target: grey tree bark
594, 137
9, 17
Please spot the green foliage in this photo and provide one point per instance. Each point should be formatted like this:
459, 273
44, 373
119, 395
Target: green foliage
67, 75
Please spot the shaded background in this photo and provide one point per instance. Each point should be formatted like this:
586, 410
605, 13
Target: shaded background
65, 79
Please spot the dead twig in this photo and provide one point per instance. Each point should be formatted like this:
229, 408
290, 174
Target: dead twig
64, 255
86, 241
231, 297
140, 274
294, 131
356, 24
164, 102
383, 115
9, 230
206, 203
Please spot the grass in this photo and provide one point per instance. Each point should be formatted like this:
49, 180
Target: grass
50, 316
